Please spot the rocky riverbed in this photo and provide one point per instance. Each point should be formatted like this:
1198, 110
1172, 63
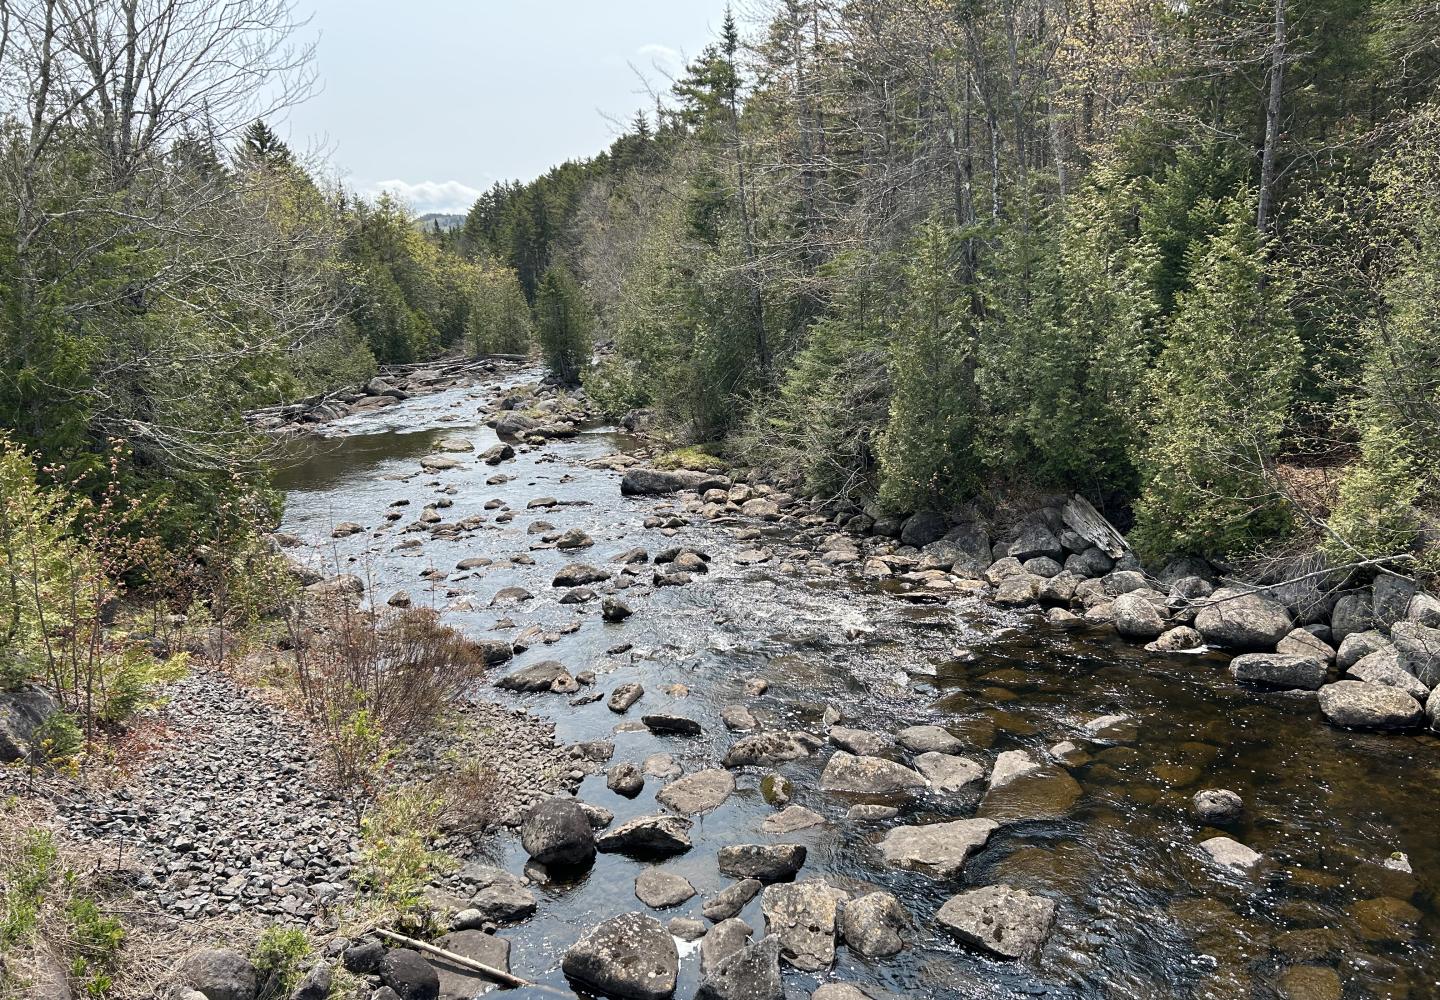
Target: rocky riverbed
815, 751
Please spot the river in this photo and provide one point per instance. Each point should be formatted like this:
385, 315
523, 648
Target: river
1142, 913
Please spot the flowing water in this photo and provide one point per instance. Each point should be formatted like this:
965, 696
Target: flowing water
1142, 914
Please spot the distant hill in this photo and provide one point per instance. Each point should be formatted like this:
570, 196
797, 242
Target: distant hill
447, 222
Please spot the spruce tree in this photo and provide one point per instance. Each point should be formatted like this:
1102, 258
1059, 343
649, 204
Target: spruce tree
563, 324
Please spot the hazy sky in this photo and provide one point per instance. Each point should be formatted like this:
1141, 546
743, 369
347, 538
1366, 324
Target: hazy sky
438, 99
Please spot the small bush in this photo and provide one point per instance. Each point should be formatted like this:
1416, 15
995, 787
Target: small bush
97, 940
396, 859
693, 458
279, 959
59, 738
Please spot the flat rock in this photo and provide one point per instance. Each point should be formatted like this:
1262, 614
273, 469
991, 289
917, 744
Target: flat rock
662, 889
648, 836
848, 773
929, 739
1004, 921
861, 742
1279, 670
698, 793
937, 849
952, 775
456, 982
667, 724
752, 972
1230, 853
791, 819
767, 750
731, 900
536, 677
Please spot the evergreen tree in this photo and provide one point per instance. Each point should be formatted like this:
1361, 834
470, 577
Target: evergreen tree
563, 325
1223, 386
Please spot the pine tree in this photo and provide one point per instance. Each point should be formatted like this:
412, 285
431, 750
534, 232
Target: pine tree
563, 324
1223, 387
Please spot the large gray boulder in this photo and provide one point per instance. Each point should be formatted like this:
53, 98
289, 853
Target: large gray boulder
1036, 540
22, 713
803, 916
1352, 613
1278, 670
1358, 705
557, 832
923, 528
951, 774
871, 925
630, 956
219, 973
1237, 619
659, 482
847, 773
409, 975
1090, 563
1303, 643
937, 849
1358, 645
1432, 710
965, 550
765, 863
1007, 922
535, 677
1419, 649
698, 793
1390, 598
1383, 667
928, 739
1137, 617
751, 973
648, 836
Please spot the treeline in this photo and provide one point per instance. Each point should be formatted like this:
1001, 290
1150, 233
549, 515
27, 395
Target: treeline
1180, 258
167, 263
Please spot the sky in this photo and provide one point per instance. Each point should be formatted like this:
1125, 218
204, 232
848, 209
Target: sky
436, 100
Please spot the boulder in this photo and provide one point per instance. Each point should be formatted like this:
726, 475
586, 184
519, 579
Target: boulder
950, 774
1018, 590
698, 793
504, 902
497, 453
1278, 670
22, 714
1352, 613
1090, 563
725, 939
1390, 598
965, 550
1124, 581
923, 528
1136, 616
1217, 805
927, 739
315, 984
667, 724
1359, 705
661, 889
579, 575
871, 925
1177, 639
1036, 540
536, 677
1300, 642
409, 975
1230, 853
1424, 609
219, 973
790, 819
1383, 667
845, 772
1432, 710
659, 482
630, 956
1358, 645
937, 849
803, 916
751, 973
1419, 650
363, 957
624, 696
1238, 619
731, 900
765, 863
625, 779
1007, 922
557, 832
768, 749
648, 836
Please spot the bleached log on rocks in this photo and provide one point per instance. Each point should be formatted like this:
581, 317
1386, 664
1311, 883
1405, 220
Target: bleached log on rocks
1082, 518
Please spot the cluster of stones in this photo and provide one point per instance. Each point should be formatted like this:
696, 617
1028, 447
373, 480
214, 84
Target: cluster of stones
392, 386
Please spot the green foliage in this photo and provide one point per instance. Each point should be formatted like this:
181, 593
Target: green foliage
499, 321
927, 452
563, 325
279, 958
694, 458
396, 858
58, 737
28, 875
1223, 386
97, 938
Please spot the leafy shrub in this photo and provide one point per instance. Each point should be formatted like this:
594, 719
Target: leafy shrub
396, 859
279, 958
693, 458
97, 939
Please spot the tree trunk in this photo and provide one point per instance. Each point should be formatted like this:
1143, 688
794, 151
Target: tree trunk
1264, 214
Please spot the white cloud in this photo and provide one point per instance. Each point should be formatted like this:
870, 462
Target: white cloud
662, 57
427, 196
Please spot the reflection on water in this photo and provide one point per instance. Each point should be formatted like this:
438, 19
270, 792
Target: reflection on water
1142, 914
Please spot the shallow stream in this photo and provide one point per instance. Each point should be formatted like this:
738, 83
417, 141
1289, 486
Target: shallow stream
1142, 913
